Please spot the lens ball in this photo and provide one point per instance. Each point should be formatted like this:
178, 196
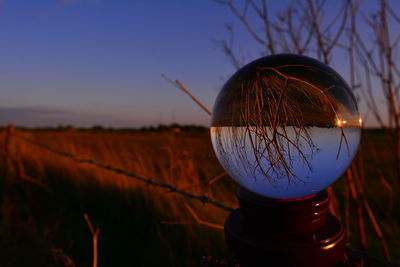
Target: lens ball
285, 126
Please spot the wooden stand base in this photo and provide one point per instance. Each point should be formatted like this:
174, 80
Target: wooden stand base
270, 232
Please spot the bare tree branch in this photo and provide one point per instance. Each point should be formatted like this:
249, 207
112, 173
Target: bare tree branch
180, 85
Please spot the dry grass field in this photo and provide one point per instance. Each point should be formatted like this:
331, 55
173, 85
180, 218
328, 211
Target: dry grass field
44, 197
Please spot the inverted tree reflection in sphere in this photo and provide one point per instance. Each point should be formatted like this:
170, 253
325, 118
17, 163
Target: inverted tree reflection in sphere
285, 126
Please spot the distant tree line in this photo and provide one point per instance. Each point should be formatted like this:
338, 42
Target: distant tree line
99, 128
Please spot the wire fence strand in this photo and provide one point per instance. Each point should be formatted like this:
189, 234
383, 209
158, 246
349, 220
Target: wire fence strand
365, 255
147, 180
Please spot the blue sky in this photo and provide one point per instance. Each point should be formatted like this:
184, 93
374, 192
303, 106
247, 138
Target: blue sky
87, 62
100, 62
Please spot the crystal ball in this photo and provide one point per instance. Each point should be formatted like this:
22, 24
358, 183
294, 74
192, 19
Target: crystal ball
285, 126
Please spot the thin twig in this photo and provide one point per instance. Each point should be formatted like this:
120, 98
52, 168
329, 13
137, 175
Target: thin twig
95, 235
377, 229
198, 220
216, 178
176, 222
180, 85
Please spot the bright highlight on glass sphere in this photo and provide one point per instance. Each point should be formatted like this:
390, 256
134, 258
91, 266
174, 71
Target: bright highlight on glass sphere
285, 126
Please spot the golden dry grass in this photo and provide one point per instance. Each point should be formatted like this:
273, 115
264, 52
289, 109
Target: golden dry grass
45, 197
182, 160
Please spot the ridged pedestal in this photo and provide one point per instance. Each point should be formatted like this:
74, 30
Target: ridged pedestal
270, 232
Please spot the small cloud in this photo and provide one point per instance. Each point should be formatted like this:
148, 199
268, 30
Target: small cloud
29, 115
45, 116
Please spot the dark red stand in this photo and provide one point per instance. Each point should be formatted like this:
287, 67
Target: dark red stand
270, 232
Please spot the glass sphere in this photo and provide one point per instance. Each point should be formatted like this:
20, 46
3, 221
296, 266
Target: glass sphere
285, 126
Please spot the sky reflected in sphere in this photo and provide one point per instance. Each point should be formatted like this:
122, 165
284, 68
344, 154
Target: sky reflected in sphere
285, 126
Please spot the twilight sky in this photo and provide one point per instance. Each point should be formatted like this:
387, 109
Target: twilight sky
87, 62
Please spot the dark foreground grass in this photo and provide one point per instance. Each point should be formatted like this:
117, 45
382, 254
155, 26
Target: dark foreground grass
47, 228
